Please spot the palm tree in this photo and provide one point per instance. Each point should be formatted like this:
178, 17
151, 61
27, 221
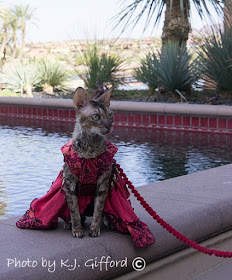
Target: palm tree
13, 24
4, 18
227, 14
177, 15
24, 14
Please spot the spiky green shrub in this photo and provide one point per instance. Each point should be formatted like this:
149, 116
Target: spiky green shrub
172, 68
216, 56
148, 71
101, 68
53, 74
22, 77
177, 70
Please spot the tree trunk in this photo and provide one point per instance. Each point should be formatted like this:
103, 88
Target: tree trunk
15, 45
23, 41
28, 90
3, 46
176, 23
4, 56
48, 89
227, 14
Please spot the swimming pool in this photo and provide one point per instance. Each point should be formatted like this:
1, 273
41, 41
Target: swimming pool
31, 157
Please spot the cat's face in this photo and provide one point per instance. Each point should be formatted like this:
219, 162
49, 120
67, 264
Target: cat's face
95, 116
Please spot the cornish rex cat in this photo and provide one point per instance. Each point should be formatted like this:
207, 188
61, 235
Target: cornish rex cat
90, 182
94, 120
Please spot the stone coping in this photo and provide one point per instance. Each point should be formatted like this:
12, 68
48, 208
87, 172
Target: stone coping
199, 205
149, 107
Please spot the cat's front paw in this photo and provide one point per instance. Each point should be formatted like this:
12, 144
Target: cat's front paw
94, 232
77, 232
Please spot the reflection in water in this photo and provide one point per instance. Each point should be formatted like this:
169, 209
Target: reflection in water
155, 155
31, 157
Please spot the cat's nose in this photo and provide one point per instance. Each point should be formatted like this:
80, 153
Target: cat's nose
108, 125
108, 128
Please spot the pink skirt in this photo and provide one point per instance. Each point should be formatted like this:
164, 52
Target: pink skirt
45, 211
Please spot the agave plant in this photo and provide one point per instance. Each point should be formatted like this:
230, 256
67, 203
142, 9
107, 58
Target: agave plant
172, 68
23, 78
216, 56
52, 75
148, 71
101, 68
176, 69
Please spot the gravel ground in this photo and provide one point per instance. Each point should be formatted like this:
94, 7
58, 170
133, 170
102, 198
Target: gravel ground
214, 100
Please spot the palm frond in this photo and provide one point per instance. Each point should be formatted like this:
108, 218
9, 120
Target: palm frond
202, 7
131, 14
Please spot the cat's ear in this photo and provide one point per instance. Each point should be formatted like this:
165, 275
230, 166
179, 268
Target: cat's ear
105, 97
80, 98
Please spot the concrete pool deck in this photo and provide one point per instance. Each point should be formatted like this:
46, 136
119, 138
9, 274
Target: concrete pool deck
199, 205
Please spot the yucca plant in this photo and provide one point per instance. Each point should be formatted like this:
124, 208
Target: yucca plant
52, 75
148, 71
172, 68
177, 69
216, 56
23, 78
101, 68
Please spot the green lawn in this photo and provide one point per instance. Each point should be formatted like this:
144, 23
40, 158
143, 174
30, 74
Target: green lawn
7, 92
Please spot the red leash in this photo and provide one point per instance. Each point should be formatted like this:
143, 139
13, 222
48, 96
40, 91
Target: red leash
178, 235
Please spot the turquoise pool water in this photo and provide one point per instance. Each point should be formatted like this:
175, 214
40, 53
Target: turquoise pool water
31, 157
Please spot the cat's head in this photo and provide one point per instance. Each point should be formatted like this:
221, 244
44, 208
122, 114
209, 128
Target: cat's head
94, 115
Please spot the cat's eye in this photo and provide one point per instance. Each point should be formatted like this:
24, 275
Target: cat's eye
95, 117
111, 115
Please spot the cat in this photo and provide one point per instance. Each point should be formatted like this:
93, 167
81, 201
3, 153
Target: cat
91, 182
94, 120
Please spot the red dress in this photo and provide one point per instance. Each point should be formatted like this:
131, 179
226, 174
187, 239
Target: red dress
44, 212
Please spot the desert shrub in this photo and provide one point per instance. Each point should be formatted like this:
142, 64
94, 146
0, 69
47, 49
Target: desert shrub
148, 71
79, 60
172, 68
52, 74
101, 68
22, 77
216, 56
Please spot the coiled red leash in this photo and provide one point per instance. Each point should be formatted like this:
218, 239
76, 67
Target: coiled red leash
178, 235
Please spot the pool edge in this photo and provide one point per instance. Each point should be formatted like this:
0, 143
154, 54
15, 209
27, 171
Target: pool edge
199, 205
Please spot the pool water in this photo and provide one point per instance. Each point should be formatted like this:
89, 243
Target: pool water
31, 157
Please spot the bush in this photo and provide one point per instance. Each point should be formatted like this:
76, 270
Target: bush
22, 77
172, 69
148, 71
37, 74
101, 68
52, 74
216, 56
